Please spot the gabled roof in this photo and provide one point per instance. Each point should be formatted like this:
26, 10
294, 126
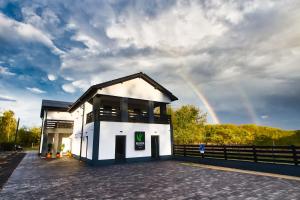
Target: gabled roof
93, 89
54, 105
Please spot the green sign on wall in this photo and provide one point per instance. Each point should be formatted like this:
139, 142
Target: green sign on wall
139, 140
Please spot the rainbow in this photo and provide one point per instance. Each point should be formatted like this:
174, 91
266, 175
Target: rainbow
196, 89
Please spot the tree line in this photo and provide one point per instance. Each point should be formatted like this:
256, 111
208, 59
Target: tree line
190, 127
26, 137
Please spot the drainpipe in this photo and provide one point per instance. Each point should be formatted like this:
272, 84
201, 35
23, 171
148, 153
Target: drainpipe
83, 108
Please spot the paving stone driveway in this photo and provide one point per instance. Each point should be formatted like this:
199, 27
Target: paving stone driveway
69, 179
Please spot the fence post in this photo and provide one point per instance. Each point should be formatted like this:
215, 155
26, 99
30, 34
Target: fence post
173, 150
225, 152
254, 153
294, 155
184, 153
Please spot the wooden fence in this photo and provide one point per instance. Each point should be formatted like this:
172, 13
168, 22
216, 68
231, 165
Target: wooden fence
270, 154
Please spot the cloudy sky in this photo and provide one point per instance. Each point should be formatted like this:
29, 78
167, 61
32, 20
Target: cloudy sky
237, 60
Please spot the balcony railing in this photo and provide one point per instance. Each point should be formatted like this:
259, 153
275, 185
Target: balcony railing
115, 116
138, 117
50, 123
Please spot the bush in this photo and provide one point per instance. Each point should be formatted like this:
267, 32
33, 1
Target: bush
7, 146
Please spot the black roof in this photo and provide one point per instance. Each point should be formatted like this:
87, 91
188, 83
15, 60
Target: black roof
91, 91
54, 105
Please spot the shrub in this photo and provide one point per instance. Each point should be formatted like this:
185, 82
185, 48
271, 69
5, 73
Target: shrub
7, 146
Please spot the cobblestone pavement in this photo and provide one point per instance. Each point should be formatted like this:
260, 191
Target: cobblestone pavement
69, 179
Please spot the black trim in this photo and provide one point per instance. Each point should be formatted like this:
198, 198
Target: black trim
93, 89
52, 105
96, 136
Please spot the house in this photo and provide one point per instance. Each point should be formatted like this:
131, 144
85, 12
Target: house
120, 120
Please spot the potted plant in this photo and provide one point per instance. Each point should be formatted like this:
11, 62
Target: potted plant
49, 154
58, 155
69, 154
62, 147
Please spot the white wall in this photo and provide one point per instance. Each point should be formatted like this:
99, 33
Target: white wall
59, 115
42, 135
88, 140
87, 131
66, 142
109, 130
136, 88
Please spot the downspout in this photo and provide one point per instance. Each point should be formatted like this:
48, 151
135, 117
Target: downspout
43, 132
83, 109
41, 136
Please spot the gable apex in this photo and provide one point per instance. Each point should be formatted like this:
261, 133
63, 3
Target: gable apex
93, 89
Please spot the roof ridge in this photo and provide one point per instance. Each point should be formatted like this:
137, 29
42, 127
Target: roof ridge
92, 89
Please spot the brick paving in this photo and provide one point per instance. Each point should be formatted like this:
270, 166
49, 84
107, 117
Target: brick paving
69, 179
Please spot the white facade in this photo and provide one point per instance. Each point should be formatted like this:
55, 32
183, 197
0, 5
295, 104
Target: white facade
121, 108
88, 130
56, 136
87, 142
137, 89
59, 115
109, 131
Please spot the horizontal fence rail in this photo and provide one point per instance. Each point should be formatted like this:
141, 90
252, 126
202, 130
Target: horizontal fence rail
270, 154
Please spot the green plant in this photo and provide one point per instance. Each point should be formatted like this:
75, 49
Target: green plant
62, 146
49, 147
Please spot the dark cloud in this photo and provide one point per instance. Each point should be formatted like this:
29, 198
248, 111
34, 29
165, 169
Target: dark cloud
242, 56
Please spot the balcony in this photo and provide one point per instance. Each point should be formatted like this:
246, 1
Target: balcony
50, 123
136, 117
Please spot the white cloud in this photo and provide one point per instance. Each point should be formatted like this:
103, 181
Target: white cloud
5, 71
72, 87
92, 44
35, 90
239, 52
264, 116
7, 98
14, 30
29, 114
69, 88
52, 77
184, 27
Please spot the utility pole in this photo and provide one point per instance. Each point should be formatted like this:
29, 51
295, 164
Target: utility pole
16, 135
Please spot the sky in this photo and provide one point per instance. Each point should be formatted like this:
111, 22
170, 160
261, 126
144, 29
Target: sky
236, 60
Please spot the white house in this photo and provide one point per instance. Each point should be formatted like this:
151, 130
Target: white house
120, 120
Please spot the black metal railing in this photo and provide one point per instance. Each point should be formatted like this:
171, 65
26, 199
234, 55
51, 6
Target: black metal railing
138, 117
115, 115
270, 154
51, 123
162, 119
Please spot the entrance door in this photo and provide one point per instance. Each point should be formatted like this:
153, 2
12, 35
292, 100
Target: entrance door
155, 147
120, 151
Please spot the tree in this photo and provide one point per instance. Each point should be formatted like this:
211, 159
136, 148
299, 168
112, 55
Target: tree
188, 122
189, 126
8, 125
29, 136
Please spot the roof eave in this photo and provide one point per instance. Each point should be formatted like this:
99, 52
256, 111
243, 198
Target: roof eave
93, 89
